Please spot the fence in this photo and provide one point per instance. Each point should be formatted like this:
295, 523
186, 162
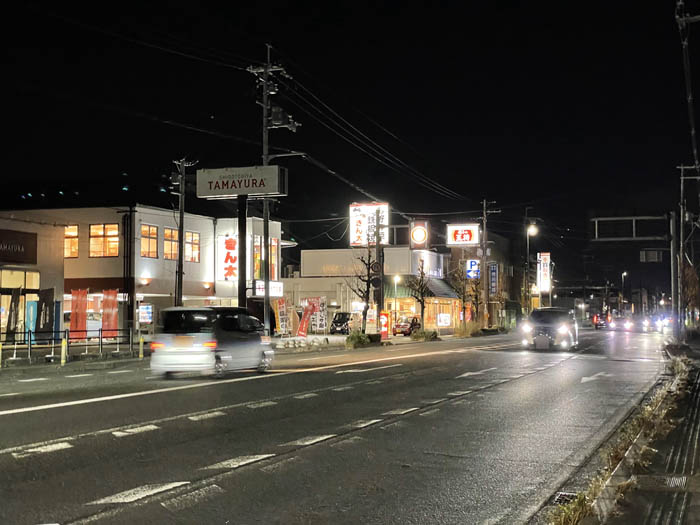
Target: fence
31, 345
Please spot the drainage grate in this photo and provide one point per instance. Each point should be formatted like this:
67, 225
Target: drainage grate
562, 498
676, 482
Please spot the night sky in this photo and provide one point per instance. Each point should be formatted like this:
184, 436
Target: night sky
565, 107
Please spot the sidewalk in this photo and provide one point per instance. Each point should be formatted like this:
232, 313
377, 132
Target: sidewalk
668, 490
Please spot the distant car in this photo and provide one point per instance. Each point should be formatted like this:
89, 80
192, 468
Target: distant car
210, 340
406, 325
601, 321
550, 328
341, 323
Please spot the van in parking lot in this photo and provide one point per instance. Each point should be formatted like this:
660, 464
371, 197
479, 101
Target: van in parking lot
209, 340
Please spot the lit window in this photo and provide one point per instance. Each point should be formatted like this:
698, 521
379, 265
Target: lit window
70, 242
192, 247
149, 241
169, 243
104, 240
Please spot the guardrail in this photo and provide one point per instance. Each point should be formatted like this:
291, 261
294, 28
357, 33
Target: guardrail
31, 345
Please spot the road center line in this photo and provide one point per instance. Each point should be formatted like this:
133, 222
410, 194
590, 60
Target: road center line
79, 375
306, 396
311, 440
360, 370
261, 404
10, 394
32, 380
43, 450
129, 496
239, 461
135, 430
209, 415
119, 371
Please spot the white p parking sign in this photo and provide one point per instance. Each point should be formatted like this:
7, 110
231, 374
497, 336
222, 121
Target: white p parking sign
473, 271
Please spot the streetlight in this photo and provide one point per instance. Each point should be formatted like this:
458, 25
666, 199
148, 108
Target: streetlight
622, 306
530, 231
397, 278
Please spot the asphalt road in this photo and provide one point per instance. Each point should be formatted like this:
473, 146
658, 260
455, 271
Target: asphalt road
458, 431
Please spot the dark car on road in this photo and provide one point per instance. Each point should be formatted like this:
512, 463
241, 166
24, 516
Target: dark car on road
341, 323
550, 328
406, 325
601, 321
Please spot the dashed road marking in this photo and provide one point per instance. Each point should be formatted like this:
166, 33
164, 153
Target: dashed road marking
134, 430
42, 450
342, 388
428, 412
362, 423
32, 379
10, 394
308, 441
306, 396
193, 498
375, 382
208, 415
129, 496
399, 411
261, 404
459, 393
119, 371
237, 462
79, 375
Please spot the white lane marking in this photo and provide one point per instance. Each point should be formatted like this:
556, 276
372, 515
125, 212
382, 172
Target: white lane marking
79, 375
32, 380
479, 372
540, 368
434, 401
375, 382
305, 396
236, 462
428, 412
599, 375
399, 411
308, 441
342, 388
360, 370
42, 450
193, 498
261, 404
10, 394
459, 393
322, 357
227, 381
209, 415
362, 423
135, 430
129, 496
119, 371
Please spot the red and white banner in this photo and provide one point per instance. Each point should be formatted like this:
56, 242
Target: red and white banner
110, 313
462, 234
384, 324
305, 318
78, 314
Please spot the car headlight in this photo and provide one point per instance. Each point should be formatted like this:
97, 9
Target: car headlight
659, 324
645, 322
628, 325
613, 324
527, 328
563, 329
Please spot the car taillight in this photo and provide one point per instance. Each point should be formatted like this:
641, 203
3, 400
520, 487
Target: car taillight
210, 344
595, 319
156, 346
609, 318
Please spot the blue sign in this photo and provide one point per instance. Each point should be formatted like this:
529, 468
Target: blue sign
473, 271
493, 278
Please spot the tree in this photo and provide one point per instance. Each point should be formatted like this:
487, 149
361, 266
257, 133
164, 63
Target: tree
418, 285
691, 287
361, 284
460, 282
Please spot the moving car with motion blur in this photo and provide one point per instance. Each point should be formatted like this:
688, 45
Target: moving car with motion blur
601, 320
552, 327
209, 340
406, 325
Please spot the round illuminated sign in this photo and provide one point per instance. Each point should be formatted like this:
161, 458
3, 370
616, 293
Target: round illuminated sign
419, 234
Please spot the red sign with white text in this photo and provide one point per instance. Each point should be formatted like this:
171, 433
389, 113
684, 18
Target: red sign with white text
384, 324
461, 234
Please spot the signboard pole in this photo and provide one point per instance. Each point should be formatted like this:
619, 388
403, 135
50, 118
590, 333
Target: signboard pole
242, 247
266, 203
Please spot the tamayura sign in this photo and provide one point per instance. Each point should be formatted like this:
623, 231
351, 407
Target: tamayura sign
229, 183
461, 234
363, 223
17, 247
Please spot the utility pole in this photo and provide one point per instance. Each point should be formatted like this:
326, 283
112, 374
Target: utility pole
379, 256
270, 119
485, 270
682, 241
182, 166
674, 278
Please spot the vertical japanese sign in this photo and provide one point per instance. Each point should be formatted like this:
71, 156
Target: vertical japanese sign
31, 318
45, 311
493, 278
227, 258
110, 314
13, 314
305, 318
363, 223
78, 314
544, 277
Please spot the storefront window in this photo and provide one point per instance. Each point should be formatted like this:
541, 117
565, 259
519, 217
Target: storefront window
32, 280
192, 247
12, 279
257, 257
170, 243
104, 240
149, 241
70, 242
273, 258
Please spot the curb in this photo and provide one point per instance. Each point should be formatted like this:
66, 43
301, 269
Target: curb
70, 367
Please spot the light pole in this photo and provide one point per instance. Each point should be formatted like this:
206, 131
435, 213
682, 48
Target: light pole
530, 231
397, 278
622, 305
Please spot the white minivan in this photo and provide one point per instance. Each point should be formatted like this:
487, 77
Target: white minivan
209, 340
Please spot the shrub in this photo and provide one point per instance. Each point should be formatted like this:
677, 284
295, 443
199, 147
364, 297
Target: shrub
356, 339
422, 335
468, 329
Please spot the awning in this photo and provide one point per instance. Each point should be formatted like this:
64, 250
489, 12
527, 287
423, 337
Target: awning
440, 288
436, 288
